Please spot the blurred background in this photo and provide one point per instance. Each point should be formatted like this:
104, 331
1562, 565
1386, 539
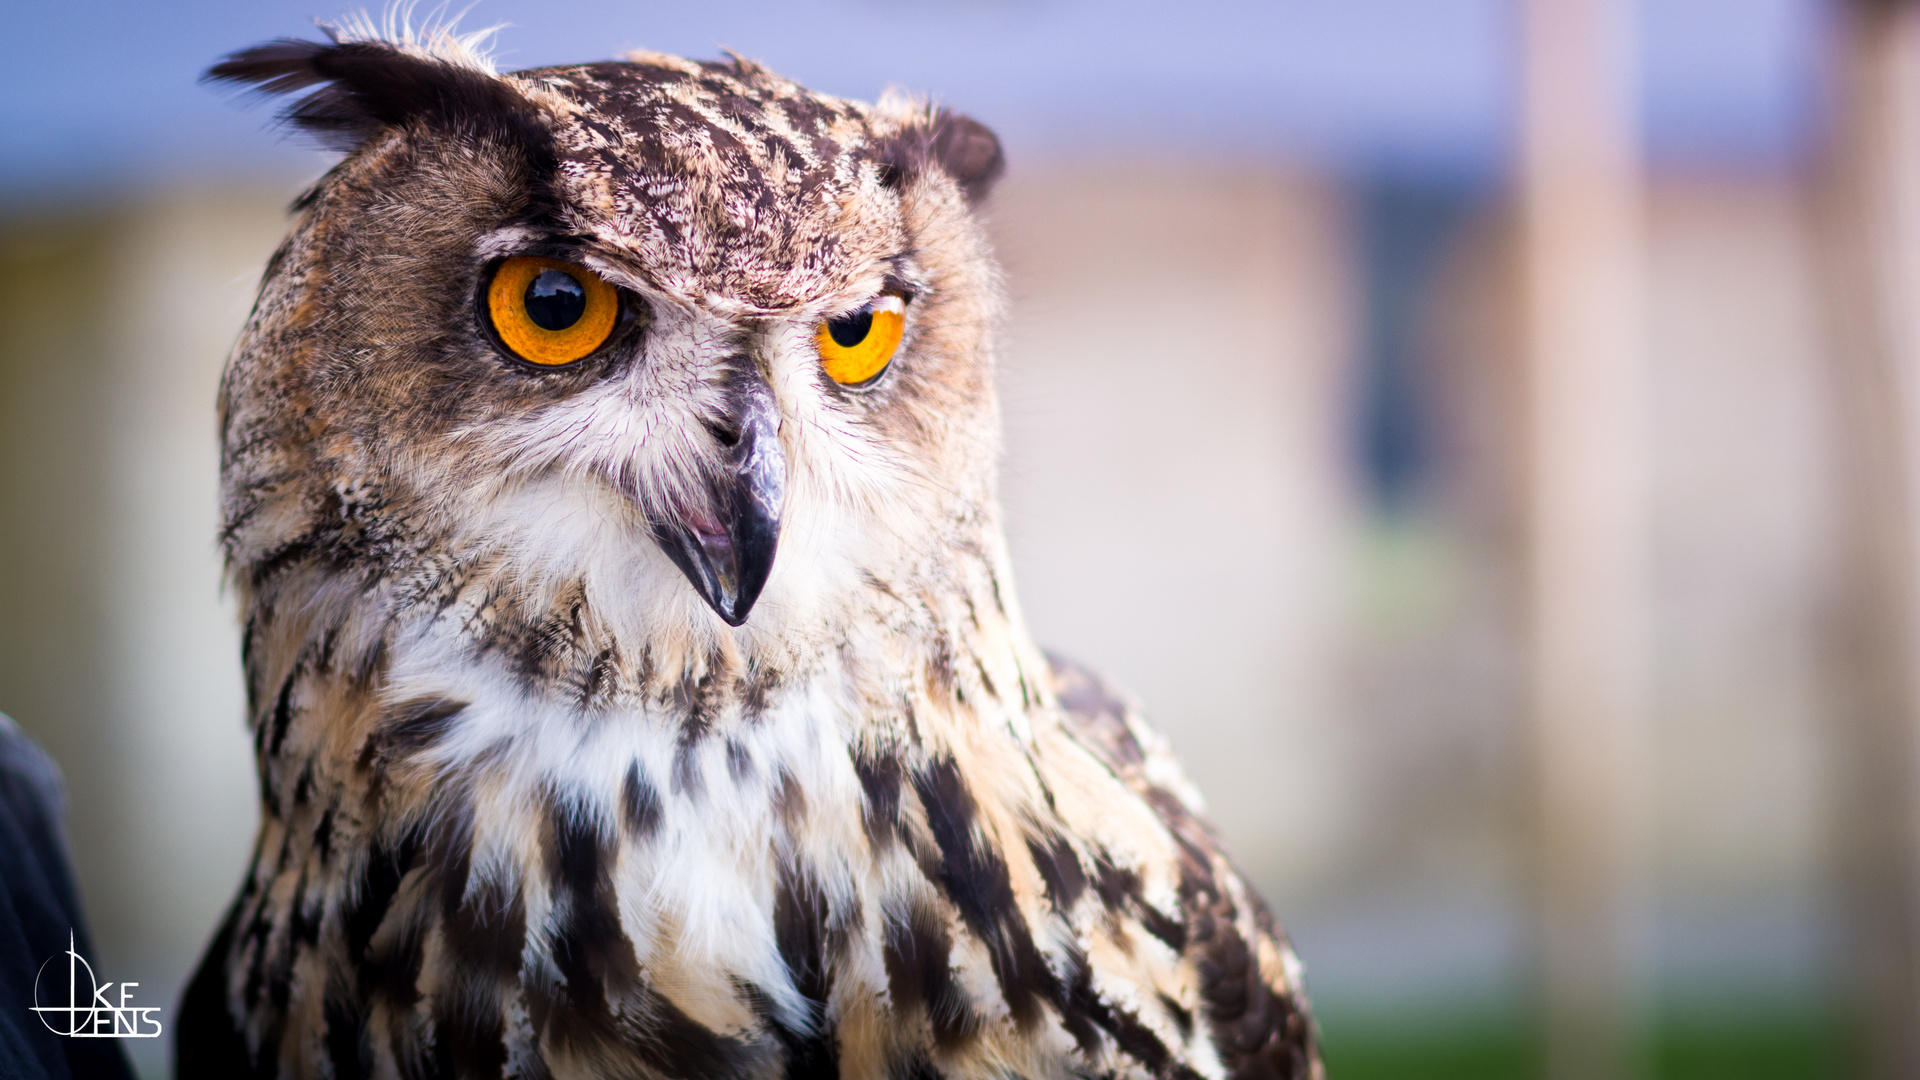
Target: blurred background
1485, 434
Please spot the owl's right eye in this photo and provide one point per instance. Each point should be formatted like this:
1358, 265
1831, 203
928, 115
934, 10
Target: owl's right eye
551, 312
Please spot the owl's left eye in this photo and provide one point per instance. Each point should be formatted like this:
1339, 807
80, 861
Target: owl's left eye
551, 312
856, 347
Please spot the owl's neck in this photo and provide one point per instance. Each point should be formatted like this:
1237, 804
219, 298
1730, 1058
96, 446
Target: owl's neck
391, 696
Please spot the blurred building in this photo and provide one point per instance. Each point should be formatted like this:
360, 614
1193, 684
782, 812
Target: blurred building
1188, 388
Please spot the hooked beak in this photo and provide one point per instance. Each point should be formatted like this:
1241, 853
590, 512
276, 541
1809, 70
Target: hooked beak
726, 547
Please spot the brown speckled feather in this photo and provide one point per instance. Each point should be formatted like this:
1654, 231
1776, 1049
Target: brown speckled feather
530, 807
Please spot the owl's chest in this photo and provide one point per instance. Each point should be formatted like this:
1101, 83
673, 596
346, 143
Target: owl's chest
539, 878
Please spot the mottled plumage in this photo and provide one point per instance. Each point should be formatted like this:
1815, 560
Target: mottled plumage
530, 806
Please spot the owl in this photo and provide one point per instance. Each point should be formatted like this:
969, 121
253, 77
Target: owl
636, 678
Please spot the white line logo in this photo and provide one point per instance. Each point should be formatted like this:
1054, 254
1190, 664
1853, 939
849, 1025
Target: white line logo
97, 1018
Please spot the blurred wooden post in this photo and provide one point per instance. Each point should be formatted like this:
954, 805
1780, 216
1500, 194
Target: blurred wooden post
1867, 211
1587, 530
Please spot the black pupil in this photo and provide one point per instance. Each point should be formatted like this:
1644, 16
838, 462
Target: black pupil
555, 300
850, 330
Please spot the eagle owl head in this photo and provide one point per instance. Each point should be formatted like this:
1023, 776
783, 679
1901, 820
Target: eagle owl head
622, 328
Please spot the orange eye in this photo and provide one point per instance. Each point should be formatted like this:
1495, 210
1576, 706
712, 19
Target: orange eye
550, 312
856, 347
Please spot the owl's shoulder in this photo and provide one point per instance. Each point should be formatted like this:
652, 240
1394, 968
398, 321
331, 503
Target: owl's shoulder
1111, 726
1246, 980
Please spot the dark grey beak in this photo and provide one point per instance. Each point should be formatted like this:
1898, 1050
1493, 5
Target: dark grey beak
726, 547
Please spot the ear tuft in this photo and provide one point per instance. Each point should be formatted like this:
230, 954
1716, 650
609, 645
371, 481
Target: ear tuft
959, 146
365, 86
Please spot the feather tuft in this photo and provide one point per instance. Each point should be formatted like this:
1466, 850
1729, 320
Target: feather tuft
437, 38
369, 77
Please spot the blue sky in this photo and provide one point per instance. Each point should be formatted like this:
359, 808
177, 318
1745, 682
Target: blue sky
105, 93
